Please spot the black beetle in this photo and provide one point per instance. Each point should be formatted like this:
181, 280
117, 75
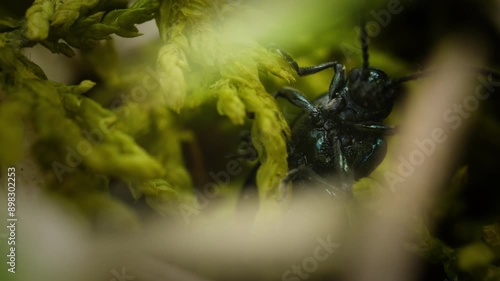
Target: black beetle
339, 138
340, 135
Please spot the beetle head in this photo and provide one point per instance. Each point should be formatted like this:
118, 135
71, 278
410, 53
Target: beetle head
368, 89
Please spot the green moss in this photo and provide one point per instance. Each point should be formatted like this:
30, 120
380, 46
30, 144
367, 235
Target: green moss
75, 137
82, 24
189, 31
38, 16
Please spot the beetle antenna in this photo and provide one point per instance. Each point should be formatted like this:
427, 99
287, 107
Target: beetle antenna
411, 77
486, 72
478, 70
364, 46
414, 76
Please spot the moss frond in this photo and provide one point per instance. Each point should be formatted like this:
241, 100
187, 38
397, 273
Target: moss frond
192, 40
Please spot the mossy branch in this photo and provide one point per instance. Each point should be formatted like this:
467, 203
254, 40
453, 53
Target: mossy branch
191, 38
82, 24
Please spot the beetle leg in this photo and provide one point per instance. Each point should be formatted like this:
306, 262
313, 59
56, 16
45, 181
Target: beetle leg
312, 176
376, 127
290, 176
344, 171
296, 98
338, 80
302, 71
330, 189
343, 167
